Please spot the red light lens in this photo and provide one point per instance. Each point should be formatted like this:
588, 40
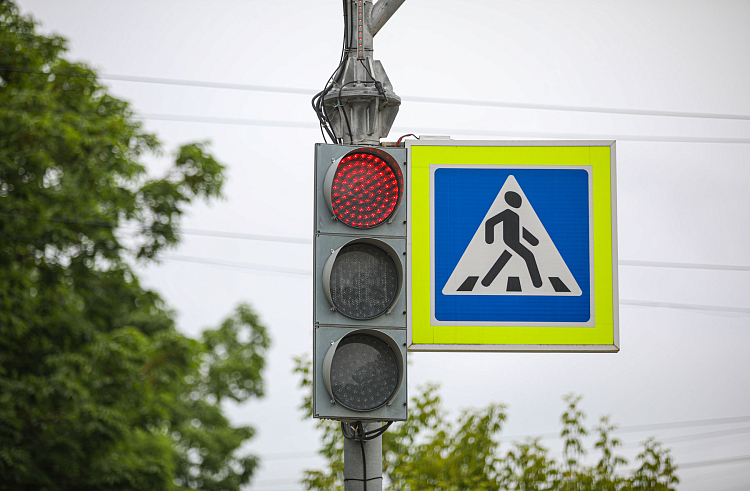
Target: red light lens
366, 190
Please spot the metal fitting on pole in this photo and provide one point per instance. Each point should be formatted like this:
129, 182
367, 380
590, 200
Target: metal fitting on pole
361, 106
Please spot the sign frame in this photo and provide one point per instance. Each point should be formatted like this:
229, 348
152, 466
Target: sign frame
425, 333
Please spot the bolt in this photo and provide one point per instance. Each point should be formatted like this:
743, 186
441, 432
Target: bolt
404, 222
404, 253
404, 314
404, 404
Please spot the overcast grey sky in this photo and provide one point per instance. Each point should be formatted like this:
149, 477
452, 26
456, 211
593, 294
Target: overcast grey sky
679, 200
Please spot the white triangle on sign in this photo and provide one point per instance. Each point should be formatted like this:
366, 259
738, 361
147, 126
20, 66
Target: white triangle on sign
521, 258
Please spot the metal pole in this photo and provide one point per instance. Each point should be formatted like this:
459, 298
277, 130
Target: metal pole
381, 12
362, 108
364, 474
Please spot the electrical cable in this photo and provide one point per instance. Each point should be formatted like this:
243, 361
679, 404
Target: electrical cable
695, 423
685, 306
460, 131
709, 463
674, 425
299, 240
378, 84
182, 231
422, 99
318, 99
343, 111
706, 309
699, 436
261, 268
402, 137
341, 105
660, 264
359, 434
579, 136
349, 432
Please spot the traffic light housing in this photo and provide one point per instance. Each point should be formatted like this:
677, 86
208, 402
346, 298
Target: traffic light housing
359, 361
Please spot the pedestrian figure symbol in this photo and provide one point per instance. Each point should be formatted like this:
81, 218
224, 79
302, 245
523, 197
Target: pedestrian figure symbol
512, 238
512, 253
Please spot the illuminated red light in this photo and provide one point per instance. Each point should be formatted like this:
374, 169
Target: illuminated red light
366, 190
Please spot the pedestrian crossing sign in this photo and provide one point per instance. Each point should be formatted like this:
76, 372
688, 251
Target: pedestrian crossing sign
511, 246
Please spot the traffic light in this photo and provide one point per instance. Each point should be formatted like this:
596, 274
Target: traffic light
359, 361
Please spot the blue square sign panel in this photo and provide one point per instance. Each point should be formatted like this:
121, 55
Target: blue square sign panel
512, 245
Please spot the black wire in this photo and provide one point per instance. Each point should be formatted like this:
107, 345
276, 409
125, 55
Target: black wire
367, 69
410, 134
378, 84
420, 99
349, 38
361, 431
317, 101
350, 434
343, 111
362, 436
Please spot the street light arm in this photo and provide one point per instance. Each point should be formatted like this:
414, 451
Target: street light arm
381, 12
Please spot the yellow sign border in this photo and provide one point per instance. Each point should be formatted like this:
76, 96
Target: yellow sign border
423, 335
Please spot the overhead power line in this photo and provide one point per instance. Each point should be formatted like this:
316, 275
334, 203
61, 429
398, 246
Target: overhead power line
300, 240
659, 264
228, 121
562, 107
181, 231
417, 98
655, 426
622, 429
428, 100
262, 268
704, 436
243, 236
303, 272
523, 135
684, 424
238, 265
686, 306
707, 463
576, 136
214, 85
686, 465
451, 131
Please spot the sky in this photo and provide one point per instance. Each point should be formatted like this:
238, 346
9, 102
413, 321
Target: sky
682, 187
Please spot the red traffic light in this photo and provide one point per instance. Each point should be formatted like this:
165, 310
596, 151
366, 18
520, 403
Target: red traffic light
365, 188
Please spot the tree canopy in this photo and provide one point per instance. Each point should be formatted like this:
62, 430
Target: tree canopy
429, 451
98, 390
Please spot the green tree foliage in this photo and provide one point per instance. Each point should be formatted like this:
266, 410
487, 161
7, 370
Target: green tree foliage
428, 451
98, 391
